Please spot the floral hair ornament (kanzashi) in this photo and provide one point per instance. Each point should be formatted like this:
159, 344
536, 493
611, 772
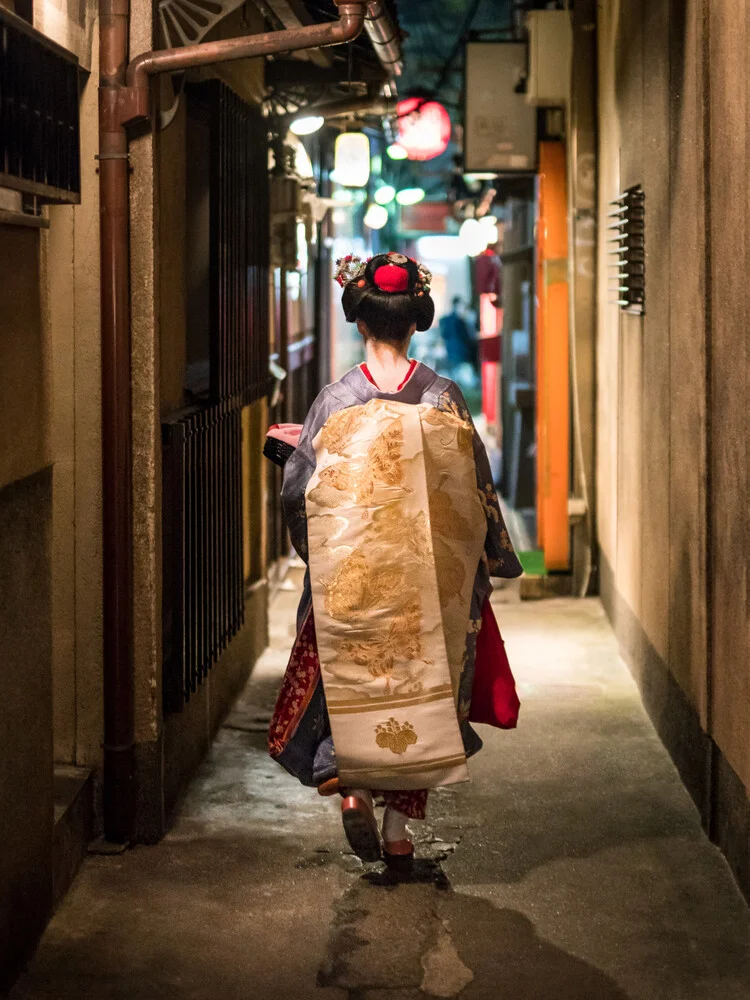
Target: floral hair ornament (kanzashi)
348, 268
424, 280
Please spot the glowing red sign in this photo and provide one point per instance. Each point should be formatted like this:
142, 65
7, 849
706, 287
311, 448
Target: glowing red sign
424, 128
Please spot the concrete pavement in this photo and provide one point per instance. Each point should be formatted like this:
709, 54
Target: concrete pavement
572, 867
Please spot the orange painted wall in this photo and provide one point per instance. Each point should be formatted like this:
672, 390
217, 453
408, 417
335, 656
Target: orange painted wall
553, 407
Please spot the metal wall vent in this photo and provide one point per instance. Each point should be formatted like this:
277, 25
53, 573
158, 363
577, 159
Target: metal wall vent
627, 278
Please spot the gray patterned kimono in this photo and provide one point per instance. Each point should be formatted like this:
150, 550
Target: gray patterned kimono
309, 754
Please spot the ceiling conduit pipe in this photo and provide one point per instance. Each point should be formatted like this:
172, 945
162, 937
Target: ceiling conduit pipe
368, 105
385, 37
124, 98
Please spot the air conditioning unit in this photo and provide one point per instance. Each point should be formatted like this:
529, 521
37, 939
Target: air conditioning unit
550, 52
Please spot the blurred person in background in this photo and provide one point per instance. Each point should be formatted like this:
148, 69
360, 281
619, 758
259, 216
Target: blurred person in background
458, 332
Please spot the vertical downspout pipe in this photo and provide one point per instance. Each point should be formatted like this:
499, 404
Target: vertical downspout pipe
117, 458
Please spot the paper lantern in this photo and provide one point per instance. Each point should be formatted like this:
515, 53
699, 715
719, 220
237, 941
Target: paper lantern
424, 128
352, 159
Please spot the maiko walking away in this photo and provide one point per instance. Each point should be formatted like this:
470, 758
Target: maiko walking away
390, 501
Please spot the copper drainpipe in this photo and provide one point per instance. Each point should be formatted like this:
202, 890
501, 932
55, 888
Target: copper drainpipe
124, 98
116, 426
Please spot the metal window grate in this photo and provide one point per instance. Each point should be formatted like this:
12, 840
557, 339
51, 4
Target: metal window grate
239, 249
203, 575
202, 524
39, 128
627, 278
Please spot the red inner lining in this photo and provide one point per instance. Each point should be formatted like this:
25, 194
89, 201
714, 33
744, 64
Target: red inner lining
366, 372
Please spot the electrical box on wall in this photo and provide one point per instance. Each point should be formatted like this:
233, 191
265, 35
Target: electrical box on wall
499, 125
550, 52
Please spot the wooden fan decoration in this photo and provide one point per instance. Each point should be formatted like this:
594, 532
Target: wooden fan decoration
187, 22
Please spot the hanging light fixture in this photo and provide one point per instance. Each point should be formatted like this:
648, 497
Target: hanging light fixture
385, 194
472, 237
424, 128
409, 196
396, 151
352, 159
307, 124
376, 216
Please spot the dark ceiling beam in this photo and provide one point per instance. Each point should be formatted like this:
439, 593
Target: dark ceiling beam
294, 14
295, 73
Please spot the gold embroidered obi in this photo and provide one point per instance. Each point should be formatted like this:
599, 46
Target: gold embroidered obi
396, 529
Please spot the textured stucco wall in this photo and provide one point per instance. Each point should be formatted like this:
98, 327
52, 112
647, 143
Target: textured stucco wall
70, 23
70, 295
673, 387
729, 297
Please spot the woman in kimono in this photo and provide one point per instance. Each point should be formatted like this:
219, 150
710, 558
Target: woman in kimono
389, 499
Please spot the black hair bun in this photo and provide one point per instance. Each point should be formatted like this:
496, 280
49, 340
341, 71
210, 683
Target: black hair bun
390, 293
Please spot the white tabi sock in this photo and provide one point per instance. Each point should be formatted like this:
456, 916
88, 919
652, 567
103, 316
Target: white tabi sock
394, 825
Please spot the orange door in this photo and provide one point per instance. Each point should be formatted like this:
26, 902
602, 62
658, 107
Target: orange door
552, 399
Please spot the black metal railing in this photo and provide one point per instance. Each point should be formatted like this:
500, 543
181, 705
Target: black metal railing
202, 520
39, 128
203, 574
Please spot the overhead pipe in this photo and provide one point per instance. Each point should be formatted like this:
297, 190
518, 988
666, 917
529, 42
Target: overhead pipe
349, 25
369, 104
124, 98
385, 37
353, 106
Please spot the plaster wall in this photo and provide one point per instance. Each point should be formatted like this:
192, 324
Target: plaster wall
672, 386
72, 24
71, 316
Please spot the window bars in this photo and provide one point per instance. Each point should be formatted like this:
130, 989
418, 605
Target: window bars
203, 577
39, 128
627, 279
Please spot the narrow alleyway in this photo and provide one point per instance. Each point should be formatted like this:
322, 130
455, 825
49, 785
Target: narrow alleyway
573, 866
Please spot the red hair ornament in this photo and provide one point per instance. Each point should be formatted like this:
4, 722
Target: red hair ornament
391, 278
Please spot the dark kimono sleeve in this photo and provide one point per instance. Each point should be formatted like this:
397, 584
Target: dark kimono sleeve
298, 470
501, 558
